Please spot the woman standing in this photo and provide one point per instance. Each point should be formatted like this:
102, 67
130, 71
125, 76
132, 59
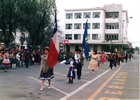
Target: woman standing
6, 61
93, 63
46, 73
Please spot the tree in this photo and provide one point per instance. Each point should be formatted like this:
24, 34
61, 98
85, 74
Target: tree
37, 21
8, 21
31, 16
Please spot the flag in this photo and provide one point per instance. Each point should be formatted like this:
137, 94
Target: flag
85, 41
66, 40
54, 47
68, 43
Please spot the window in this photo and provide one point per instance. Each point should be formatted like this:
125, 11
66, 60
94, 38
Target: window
68, 26
77, 26
112, 26
96, 14
69, 15
77, 36
96, 26
87, 15
112, 14
84, 25
68, 36
111, 37
78, 16
94, 36
87, 36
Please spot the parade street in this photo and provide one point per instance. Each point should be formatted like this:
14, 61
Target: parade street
105, 84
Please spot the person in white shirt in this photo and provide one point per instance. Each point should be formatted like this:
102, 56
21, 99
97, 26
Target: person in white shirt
80, 62
18, 58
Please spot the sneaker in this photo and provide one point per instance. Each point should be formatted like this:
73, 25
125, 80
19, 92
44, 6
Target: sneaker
49, 87
41, 89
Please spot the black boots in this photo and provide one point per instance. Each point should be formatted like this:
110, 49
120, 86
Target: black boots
70, 81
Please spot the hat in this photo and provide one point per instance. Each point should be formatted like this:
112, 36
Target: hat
79, 50
46, 48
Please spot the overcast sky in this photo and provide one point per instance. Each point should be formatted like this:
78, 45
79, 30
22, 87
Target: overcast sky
132, 6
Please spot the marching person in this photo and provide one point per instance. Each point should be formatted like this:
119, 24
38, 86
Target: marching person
93, 62
115, 59
119, 58
6, 61
72, 69
99, 58
126, 57
103, 57
111, 59
80, 62
130, 55
46, 73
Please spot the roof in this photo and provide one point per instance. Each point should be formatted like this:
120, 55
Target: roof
84, 9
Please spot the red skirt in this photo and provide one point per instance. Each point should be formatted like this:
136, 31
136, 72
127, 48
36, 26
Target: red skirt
6, 62
102, 59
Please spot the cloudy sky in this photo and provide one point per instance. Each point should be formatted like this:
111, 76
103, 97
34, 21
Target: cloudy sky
132, 6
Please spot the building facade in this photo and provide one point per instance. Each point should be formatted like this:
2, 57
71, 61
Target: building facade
107, 28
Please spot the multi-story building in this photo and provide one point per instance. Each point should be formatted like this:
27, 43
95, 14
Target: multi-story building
107, 28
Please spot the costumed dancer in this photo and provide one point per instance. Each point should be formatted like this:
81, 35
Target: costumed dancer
6, 61
72, 69
93, 62
46, 73
103, 58
99, 58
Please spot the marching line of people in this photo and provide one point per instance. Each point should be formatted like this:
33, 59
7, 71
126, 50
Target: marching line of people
75, 61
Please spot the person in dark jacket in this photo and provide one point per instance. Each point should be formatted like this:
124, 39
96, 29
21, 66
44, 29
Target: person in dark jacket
126, 57
111, 59
115, 59
26, 58
80, 62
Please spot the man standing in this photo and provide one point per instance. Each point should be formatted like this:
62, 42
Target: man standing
26, 58
80, 62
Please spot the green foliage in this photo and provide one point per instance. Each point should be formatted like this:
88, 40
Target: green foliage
8, 21
33, 17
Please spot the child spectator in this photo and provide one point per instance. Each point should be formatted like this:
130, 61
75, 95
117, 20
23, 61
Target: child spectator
14, 61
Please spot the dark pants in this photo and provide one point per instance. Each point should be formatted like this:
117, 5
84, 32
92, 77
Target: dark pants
111, 64
79, 70
119, 61
115, 63
126, 59
26, 63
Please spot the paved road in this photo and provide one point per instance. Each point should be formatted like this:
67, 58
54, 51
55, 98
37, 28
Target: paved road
105, 84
